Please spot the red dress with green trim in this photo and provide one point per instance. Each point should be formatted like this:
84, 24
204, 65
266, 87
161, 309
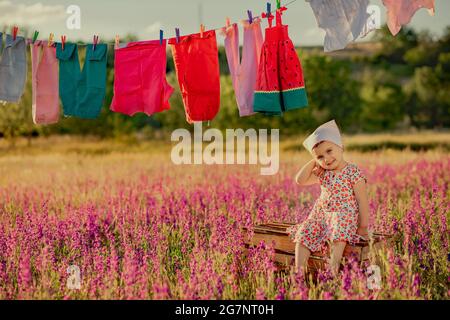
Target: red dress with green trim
280, 84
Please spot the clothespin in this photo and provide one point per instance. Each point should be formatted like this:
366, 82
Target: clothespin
15, 30
278, 4
95, 42
161, 37
202, 30
268, 14
63, 41
279, 14
117, 42
50, 39
227, 23
35, 36
177, 34
250, 16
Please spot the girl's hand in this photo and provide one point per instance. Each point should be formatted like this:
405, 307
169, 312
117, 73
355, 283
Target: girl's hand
318, 170
362, 231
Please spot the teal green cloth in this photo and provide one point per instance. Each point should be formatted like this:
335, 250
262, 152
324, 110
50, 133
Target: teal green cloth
82, 91
275, 103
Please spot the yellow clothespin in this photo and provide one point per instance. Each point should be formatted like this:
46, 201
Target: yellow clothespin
117, 42
50, 39
202, 30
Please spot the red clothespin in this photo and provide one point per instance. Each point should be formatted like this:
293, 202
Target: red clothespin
279, 14
117, 42
177, 34
15, 30
95, 42
202, 30
268, 14
63, 41
227, 23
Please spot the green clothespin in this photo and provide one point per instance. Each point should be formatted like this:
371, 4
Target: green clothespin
35, 36
278, 4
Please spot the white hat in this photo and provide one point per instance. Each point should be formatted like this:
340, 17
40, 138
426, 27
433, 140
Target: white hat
327, 132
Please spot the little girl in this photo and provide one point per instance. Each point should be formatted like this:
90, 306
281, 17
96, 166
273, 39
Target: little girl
341, 213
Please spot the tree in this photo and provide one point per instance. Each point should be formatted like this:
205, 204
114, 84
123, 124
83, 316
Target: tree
383, 100
394, 48
332, 91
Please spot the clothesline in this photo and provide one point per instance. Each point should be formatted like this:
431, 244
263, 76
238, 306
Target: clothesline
267, 80
82, 43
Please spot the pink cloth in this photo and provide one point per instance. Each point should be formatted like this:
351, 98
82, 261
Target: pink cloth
45, 83
244, 75
140, 83
400, 12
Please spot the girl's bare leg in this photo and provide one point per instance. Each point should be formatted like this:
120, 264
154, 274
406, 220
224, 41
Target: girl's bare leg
302, 254
337, 250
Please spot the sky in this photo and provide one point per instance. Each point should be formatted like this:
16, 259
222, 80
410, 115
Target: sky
144, 18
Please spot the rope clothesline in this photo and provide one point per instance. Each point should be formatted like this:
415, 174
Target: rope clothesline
29, 40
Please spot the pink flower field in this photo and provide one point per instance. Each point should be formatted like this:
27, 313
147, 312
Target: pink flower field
139, 227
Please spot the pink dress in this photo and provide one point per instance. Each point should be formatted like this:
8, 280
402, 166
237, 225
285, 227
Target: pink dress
45, 83
243, 74
400, 12
334, 216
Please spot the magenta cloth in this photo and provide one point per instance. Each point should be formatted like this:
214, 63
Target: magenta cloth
140, 83
400, 12
244, 74
45, 83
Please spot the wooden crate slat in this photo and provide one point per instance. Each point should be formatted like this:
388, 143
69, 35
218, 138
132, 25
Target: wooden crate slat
275, 232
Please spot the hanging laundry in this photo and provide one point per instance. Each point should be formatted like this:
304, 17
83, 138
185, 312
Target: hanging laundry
13, 68
140, 78
45, 86
244, 74
197, 66
280, 85
344, 21
400, 12
82, 91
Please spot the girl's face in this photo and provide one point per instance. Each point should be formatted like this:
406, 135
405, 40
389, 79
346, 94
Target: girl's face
328, 155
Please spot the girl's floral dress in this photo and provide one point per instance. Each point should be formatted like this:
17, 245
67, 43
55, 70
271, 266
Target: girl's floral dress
334, 216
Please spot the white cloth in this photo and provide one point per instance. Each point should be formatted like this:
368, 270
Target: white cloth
327, 132
344, 21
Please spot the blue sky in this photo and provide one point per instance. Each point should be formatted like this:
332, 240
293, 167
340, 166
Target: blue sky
144, 18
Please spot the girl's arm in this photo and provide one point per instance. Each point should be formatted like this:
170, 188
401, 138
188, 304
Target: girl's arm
360, 189
308, 174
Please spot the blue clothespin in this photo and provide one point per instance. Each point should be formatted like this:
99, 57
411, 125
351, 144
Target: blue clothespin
177, 33
250, 16
269, 9
161, 36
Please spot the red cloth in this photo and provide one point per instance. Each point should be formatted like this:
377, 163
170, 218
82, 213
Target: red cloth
280, 86
197, 66
280, 68
140, 79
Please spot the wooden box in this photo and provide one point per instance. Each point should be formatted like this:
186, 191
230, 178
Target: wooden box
276, 233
